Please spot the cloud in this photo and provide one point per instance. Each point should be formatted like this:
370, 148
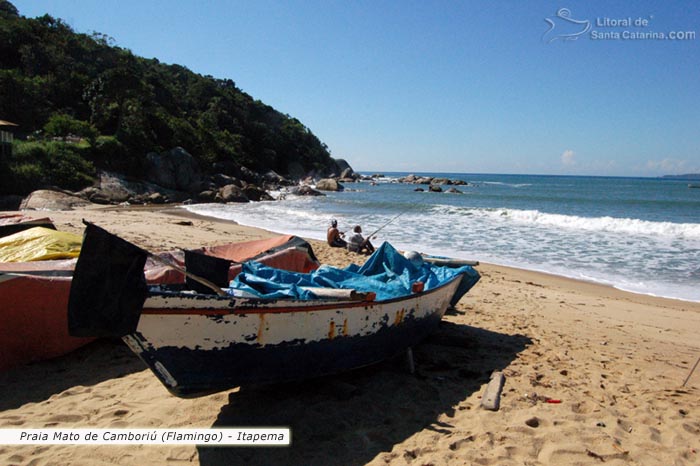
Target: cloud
670, 166
567, 158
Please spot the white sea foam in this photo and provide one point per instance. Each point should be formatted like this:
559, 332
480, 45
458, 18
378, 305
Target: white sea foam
658, 258
572, 222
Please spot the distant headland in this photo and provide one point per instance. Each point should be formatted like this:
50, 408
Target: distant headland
687, 176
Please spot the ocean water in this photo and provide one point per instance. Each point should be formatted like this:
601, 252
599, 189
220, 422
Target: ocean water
636, 234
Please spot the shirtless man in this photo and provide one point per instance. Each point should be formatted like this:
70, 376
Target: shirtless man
333, 236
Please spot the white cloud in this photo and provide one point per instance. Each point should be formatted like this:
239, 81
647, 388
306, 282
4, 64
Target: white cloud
567, 158
670, 166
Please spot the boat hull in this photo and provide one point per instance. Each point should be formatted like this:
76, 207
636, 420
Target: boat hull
196, 346
34, 324
34, 295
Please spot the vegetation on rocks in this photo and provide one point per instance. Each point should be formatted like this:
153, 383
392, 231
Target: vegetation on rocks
83, 104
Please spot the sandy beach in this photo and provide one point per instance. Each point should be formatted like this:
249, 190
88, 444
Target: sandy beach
616, 361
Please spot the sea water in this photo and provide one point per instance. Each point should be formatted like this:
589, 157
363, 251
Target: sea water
636, 234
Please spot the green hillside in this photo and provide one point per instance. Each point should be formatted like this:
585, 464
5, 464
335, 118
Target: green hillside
55, 82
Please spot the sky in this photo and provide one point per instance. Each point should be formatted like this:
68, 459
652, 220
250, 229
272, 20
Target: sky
538, 87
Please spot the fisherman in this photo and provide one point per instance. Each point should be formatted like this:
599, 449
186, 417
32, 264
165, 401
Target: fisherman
359, 244
333, 236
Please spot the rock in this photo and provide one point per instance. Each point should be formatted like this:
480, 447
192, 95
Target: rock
232, 193
175, 169
10, 202
419, 190
274, 177
454, 191
221, 180
435, 188
207, 196
328, 184
348, 173
533, 422
156, 198
443, 181
341, 165
254, 193
250, 176
423, 180
305, 191
45, 199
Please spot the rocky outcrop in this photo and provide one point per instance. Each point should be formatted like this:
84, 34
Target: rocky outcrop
305, 190
231, 193
175, 169
429, 180
113, 188
329, 184
45, 199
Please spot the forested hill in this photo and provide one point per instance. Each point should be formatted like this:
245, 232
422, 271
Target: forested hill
55, 82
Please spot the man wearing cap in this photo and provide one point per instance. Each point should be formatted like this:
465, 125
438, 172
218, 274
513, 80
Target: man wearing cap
334, 236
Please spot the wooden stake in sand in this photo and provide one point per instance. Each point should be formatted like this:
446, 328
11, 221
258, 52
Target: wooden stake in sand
492, 395
691, 372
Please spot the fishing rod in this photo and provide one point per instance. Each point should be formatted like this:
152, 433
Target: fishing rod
390, 221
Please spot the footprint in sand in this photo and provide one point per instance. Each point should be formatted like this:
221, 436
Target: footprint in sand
66, 418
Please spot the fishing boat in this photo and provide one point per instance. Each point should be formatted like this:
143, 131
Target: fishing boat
269, 325
34, 294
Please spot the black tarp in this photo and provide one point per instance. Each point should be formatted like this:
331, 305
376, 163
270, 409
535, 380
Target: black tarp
108, 287
212, 268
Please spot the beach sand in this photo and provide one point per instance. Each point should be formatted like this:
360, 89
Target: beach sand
615, 360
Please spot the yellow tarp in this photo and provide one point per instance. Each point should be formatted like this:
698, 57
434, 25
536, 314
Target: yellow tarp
39, 244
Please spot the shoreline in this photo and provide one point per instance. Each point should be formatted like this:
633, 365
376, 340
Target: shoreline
181, 211
614, 360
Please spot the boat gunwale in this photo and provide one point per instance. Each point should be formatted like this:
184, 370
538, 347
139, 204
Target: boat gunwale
257, 305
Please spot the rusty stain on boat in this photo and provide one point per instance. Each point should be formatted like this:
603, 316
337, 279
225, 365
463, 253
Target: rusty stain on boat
345, 328
331, 330
399, 316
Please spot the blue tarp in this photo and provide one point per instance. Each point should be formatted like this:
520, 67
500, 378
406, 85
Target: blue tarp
386, 273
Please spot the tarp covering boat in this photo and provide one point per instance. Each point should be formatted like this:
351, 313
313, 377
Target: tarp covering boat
14, 223
39, 244
387, 273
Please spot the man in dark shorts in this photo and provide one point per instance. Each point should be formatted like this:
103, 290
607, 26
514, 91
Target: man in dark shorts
334, 236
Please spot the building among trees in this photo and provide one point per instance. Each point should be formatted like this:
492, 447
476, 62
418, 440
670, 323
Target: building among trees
6, 137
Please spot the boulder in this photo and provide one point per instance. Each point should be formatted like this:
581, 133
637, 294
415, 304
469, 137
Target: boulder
175, 169
232, 193
305, 191
156, 198
249, 175
348, 173
274, 177
423, 180
45, 199
443, 181
341, 165
329, 184
254, 193
207, 196
454, 190
434, 188
221, 180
